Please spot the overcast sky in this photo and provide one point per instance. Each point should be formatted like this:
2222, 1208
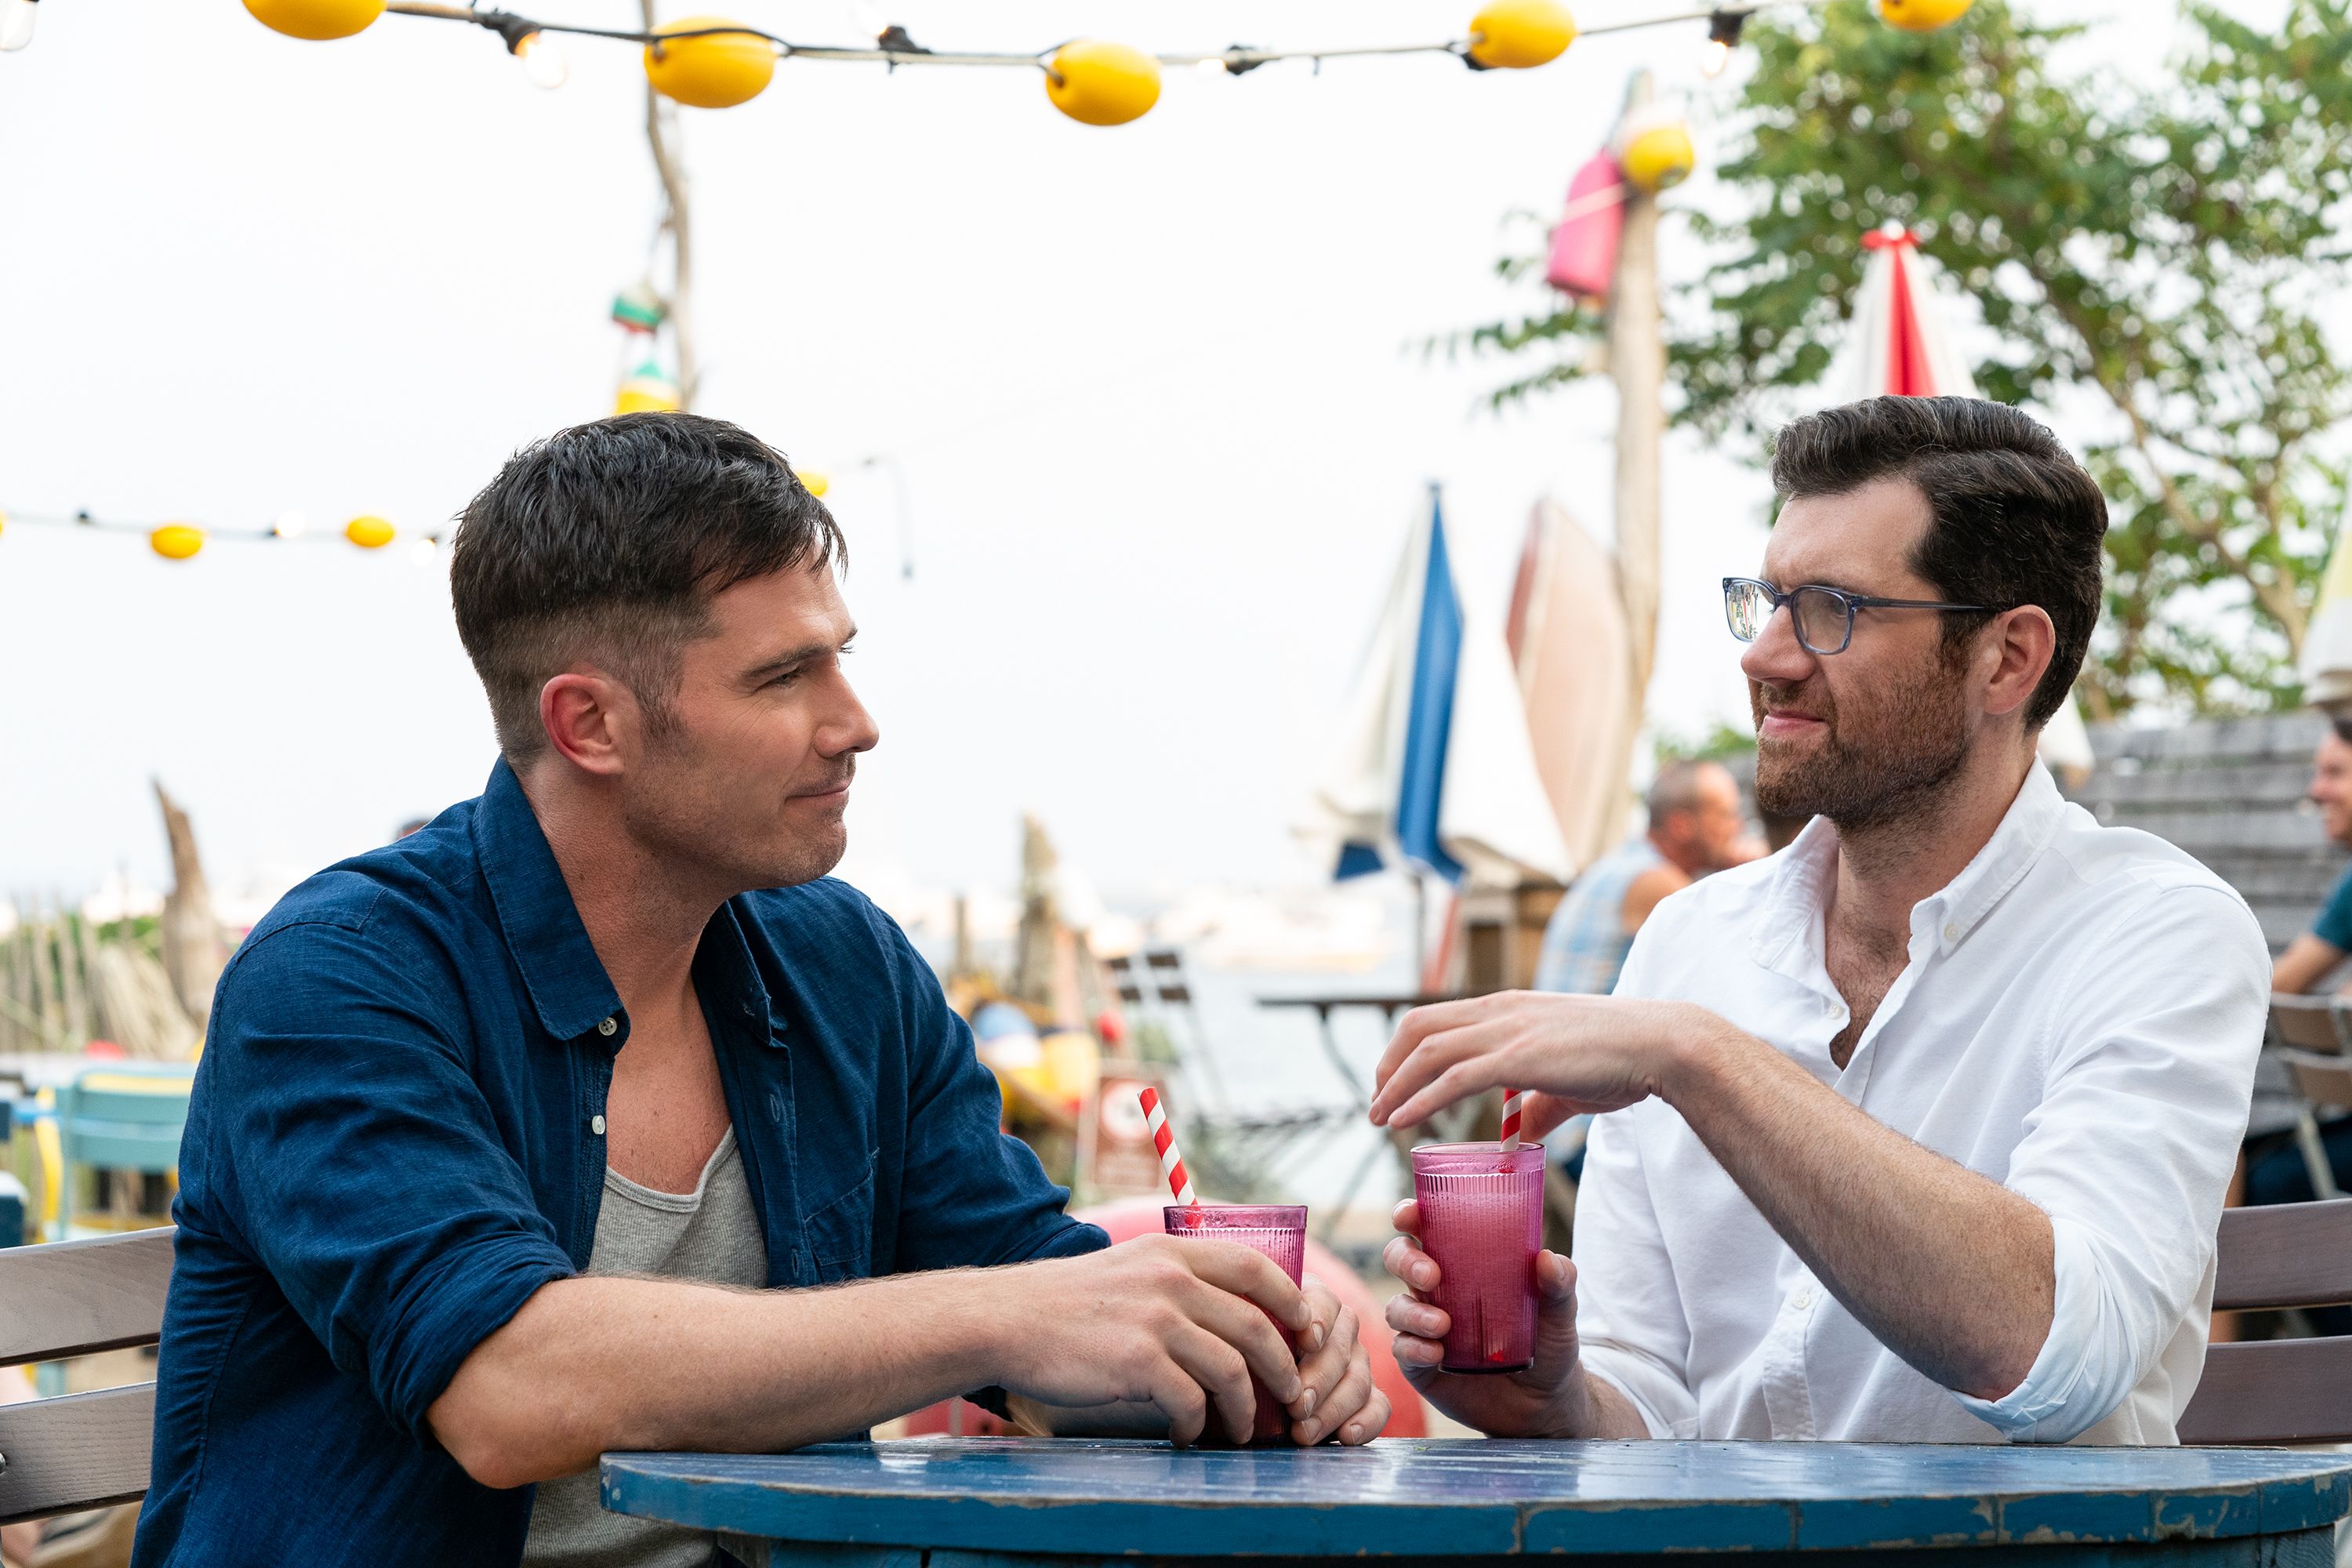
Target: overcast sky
1153, 390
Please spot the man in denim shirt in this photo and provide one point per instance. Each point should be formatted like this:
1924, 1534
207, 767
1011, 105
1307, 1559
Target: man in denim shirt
492, 1119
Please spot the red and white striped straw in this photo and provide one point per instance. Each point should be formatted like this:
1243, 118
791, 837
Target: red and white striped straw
1172, 1163
1511, 1097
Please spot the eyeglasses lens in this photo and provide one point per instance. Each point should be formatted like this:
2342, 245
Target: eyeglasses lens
1824, 621
1747, 608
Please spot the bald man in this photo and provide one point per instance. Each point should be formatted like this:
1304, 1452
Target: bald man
1697, 825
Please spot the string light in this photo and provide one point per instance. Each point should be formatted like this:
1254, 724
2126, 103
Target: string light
712, 62
183, 540
543, 64
1722, 36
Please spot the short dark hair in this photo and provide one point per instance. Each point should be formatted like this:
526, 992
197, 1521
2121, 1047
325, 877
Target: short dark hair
606, 542
2015, 518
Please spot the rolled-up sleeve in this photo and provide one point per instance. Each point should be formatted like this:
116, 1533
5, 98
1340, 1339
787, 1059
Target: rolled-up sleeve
2130, 1149
370, 1178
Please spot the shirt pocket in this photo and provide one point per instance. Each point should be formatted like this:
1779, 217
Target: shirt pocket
839, 1233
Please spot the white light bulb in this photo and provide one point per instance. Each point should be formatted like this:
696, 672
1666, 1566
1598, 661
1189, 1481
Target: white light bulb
290, 525
1213, 66
543, 62
425, 551
1713, 58
16, 19
867, 17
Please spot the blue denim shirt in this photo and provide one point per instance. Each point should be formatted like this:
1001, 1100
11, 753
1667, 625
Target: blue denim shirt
394, 1140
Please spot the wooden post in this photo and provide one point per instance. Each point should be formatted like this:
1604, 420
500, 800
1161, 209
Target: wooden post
70, 977
44, 977
192, 946
661, 134
1637, 363
102, 1024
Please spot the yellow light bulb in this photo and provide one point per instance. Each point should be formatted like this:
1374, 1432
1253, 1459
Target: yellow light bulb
1099, 83
814, 481
1923, 16
717, 70
369, 532
316, 19
176, 541
1516, 35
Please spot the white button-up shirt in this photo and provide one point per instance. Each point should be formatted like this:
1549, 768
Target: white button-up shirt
2078, 1021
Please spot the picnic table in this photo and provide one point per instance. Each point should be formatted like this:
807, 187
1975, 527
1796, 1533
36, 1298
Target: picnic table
1036, 1503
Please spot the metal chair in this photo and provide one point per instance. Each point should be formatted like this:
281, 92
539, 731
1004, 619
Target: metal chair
2278, 1391
76, 1298
124, 1117
2309, 1036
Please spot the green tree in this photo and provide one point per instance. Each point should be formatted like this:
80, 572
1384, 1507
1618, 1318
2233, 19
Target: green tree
2152, 263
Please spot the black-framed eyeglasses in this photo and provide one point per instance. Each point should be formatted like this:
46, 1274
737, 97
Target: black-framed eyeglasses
1823, 616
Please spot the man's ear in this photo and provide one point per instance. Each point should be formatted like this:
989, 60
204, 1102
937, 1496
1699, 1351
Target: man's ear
2022, 643
591, 719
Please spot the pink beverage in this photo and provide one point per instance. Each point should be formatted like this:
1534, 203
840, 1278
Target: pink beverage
1277, 1230
1482, 1221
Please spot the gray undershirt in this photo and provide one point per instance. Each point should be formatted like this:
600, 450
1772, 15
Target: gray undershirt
711, 1234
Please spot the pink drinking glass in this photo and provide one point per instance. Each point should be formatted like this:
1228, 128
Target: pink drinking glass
1482, 1221
1279, 1232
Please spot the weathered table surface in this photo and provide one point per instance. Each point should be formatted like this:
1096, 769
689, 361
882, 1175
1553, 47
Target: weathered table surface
963, 1503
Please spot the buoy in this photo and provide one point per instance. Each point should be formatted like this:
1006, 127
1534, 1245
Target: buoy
1655, 149
176, 541
316, 19
717, 70
369, 532
1515, 34
1916, 16
1099, 83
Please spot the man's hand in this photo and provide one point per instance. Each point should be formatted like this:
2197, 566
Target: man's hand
1552, 1398
1339, 1398
1174, 1325
1570, 1054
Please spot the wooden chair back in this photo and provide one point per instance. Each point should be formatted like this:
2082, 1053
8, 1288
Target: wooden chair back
76, 1297
2278, 1391
2307, 1022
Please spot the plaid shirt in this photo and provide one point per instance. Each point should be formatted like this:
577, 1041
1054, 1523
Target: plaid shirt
1585, 942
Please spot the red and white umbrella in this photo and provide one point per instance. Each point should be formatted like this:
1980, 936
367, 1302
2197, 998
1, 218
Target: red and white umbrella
1901, 347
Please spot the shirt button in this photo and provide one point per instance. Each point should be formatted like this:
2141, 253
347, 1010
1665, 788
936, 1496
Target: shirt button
597, 1125
606, 1027
1952, 932
1803, 1298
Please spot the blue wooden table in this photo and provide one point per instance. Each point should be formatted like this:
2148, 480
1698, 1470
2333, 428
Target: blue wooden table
1025, 1503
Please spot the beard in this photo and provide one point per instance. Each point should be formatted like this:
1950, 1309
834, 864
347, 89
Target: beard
1879, 762
729, 825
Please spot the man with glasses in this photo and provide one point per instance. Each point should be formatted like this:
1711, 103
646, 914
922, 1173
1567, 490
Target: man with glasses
1919, 1130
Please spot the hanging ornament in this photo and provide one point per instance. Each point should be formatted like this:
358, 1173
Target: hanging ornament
1655, 148
648, 391
1099, 83
1919, 15
637, 308
368, 532
814, 481
1515, 34
176, 541
316, 19
717, 70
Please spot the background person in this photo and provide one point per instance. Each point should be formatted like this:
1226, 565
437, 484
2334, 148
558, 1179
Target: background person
1859, 1175
1697, 825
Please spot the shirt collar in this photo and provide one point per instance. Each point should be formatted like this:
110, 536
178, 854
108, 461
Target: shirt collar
1798, 888
559, 968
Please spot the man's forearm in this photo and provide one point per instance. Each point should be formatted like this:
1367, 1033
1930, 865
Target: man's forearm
591, 1364
1596, 1407
1952, 1271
